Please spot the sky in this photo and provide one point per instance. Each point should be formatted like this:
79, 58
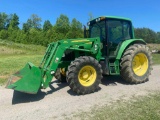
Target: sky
143, 13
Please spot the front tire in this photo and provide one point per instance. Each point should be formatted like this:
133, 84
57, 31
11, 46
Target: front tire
84, 75
136, 64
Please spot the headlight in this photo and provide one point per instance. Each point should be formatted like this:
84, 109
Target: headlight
98, 19
88, 23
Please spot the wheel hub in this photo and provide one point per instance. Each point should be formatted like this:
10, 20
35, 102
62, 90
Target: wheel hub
63, 72
87, 76
140, 64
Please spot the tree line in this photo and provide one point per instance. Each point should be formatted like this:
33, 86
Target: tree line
148, 35
34, 32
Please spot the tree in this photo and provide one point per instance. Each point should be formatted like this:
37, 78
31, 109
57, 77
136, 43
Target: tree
21, 37
36, 21
3, 21
27, 26
3, 34
33, 22
76, 25
14, 22
147, 34
51, 36
35, 36
62, 24
158, 37
47, 25
75, 30
12, 27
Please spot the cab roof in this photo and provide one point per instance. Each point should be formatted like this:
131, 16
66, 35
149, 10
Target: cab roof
112, 17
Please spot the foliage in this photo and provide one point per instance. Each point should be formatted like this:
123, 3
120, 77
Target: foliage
47, 25
148, 35
34, 32
14, 22
3, 21
11, 48
62, 24
75, 29
158, 37
4, 34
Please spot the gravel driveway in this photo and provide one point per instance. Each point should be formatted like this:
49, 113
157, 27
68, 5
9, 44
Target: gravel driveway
58, 101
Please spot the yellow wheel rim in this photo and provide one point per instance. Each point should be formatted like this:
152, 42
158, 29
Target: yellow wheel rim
140, 64
62, 71
87, 76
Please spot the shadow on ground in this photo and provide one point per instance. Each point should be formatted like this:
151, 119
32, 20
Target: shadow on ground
72, 93
113, 80
19, 97
107, 81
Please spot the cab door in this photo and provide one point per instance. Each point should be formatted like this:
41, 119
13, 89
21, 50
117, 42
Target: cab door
117, 32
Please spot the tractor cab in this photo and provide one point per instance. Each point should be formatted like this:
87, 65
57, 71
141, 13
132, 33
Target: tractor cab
112, 32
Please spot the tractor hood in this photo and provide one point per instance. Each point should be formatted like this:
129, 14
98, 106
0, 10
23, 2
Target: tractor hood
84, 43
78, 40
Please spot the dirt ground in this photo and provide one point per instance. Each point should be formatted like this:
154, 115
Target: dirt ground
59, 102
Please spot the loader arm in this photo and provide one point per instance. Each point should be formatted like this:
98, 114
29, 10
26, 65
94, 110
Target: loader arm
31, 78
55, 51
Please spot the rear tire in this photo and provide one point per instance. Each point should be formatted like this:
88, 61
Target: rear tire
136, 64
84, 75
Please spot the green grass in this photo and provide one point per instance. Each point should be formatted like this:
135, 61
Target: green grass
2, 81
11, 64
156, 59
11, 48
142, 108
14, 56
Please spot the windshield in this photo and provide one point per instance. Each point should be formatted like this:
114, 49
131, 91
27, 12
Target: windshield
97, 29
118, 31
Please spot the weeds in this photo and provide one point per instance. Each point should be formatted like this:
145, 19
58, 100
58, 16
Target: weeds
142, 108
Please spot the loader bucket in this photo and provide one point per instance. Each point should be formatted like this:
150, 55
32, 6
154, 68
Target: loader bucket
26, 80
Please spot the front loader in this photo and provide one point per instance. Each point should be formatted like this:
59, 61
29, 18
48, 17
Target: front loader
109, 48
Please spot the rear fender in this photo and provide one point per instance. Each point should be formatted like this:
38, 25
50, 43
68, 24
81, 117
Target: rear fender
126, 44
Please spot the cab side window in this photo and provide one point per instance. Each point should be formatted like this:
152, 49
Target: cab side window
118, 31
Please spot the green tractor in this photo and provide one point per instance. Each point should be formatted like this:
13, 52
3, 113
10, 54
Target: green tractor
108, 48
